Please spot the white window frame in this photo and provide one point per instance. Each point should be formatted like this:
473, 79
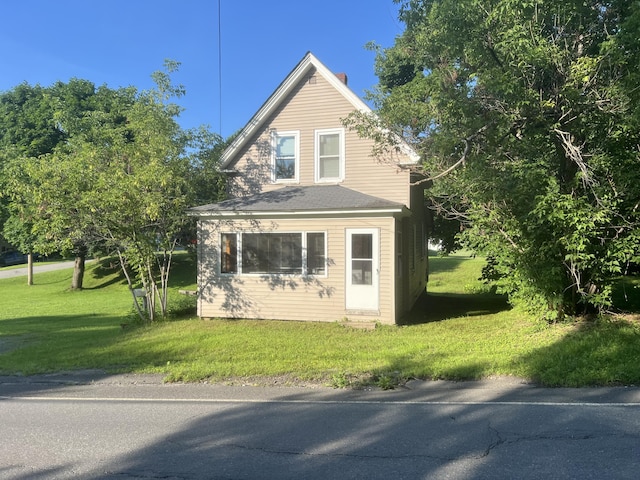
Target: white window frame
304, 273
274, 143
221, 253
341, 153
270, 260
305, 251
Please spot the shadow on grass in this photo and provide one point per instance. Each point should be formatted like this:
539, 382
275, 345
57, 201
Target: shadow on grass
593, 353
435, 307
108, 272
626, 294
105, 273
54, 343
445, 263
183, 270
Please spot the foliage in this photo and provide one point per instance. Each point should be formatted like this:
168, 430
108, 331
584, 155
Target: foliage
27, 127
27, 123
527, 118
42, 188
119, 179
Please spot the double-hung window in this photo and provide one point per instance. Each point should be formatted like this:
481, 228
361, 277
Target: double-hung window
329, 155
296, 253
286, 155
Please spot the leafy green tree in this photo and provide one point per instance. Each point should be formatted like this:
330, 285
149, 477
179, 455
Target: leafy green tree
27, 123
27, 128
138, 205
208, 183
118, 176
527, 117
40, 190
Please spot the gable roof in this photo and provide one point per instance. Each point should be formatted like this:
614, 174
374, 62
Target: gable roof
308, 62
292, 200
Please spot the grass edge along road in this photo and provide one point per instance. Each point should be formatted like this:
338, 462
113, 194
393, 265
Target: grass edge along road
462, 332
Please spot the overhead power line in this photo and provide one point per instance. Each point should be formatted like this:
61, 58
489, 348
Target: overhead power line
220, 67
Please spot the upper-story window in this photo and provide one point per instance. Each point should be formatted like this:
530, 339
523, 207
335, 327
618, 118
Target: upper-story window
286, 155
329, 155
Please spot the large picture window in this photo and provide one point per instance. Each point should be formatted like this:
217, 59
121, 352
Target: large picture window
273, 253
330, 155
285, 156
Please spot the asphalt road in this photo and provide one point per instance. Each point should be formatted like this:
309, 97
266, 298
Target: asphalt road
37, 268
131, 427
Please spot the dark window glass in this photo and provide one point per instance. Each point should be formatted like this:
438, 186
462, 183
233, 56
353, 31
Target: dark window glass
272, 253
361, 259
361, 272
229, 253
361, 245
285, 157
315, 254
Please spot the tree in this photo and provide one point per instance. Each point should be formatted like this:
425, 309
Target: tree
138, 205
140, 171
41, 190
208, 183
27, 128
527, 115
118, 177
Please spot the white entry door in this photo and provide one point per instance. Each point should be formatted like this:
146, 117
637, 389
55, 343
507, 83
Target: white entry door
363, 269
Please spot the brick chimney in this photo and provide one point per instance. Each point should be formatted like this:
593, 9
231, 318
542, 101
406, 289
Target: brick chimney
342, 77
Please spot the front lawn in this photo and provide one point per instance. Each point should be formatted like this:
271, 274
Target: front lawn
460, 331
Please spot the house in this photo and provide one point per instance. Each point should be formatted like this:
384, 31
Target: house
316, 227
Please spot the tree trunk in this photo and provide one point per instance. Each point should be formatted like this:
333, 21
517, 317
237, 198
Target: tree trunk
30, 269
78, 272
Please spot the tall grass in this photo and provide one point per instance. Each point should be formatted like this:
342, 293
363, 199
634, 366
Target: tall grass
459, 330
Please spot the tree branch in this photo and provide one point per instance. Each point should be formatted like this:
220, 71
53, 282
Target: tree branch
467, 147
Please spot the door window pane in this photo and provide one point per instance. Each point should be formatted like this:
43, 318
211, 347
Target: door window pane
361, 272
361, 258
362, 245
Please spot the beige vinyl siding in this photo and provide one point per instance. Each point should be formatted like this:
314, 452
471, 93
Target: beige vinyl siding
419, 217
315, 105
412, 281
292, 297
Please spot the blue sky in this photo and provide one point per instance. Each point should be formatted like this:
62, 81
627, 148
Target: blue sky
120, 43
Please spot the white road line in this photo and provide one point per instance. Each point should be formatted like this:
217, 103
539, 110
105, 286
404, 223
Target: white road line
320, 402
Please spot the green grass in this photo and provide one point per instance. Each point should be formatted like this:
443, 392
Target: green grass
459, 331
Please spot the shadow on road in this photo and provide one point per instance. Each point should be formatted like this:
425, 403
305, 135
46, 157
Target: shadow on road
437, 430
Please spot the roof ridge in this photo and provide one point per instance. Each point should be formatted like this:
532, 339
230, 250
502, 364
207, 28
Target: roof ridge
274, 100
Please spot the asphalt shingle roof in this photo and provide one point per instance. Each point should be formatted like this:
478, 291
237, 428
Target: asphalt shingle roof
300, 199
